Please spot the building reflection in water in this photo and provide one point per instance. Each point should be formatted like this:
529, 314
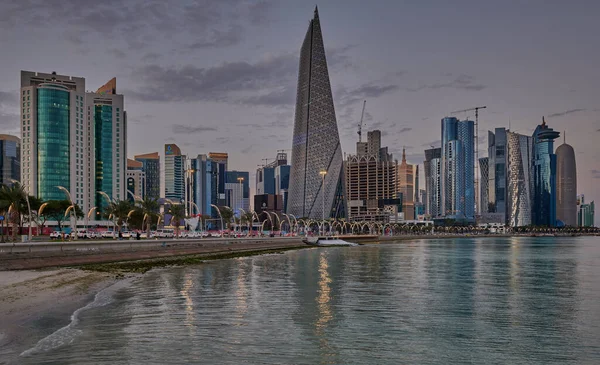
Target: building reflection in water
241, 292
323, 299
188, 285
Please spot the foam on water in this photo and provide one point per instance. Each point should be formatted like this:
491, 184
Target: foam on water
69, 333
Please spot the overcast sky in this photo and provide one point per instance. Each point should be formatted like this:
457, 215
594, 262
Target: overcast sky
221, 75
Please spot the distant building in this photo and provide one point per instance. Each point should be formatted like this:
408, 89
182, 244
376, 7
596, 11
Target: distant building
519, 180
566, 185
136, 180
371, 182
316, 144
457, 170
274, 178
174, 173
238, 191
433, 166
585, 213
268, 203
405, 179
544, 176
282, 183
151, 168
203, 183
484, 187
10, 159
497, 171
220, 165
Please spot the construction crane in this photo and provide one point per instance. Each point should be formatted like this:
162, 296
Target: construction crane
476, 109
360, 124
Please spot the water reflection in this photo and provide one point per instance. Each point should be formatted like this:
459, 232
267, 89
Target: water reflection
324, 316
186, 292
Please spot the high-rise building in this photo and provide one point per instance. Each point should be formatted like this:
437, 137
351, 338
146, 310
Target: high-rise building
371, 182
220, 162
484, 184
433, 171
544, 176
496, 172
316, 147
585, 212
203, 184
566, 185
151, 168
518, 180
265, 180
274, 178
282, 183
56, 138
238, 191
136, 180
174, 173
458, 175
406, 187
10, 159
105, 111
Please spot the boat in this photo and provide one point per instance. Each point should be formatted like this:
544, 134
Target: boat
328, 241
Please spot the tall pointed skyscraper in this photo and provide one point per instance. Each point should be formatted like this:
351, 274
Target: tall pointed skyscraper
566, 185
316, 149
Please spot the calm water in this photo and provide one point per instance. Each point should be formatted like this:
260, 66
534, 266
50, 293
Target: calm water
479, 301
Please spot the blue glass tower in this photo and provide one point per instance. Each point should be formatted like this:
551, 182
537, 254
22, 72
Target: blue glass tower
458, 174
544, 176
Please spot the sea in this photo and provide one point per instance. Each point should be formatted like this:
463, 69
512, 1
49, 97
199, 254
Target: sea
520, 300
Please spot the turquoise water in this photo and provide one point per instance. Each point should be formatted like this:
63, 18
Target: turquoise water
455, 301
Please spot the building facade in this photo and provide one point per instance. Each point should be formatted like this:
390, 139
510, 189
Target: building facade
406, 187
585, 212
175, 171
202, 185
433, 189
151, 168
10, 159
566, 185
316, 147
497, 172
484, 185
220, 164
105, 111
458, 185
282, 183
518, 180
544, 176
371, 182
136, 180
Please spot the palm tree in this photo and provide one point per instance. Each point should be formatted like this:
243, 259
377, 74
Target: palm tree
177, 212
149, 209
249, 218
12, 198
227, 214
119, 209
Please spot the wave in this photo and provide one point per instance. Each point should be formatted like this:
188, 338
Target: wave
67, 334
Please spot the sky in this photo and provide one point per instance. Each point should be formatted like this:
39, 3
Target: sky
220, 75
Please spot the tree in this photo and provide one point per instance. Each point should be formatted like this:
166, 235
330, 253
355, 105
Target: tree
226, 214
177, 212
55, 211
119, 210
11, 198
149, 208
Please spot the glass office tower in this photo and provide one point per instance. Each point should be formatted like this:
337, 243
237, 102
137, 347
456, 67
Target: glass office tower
544, 176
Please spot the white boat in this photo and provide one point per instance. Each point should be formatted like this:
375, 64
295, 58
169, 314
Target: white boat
327, 241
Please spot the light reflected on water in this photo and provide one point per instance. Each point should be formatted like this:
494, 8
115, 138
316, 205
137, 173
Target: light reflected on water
323, 300
186, 292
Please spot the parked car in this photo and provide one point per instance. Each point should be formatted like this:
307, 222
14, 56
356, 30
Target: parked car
126, 234
108, 234
81, 233
165, 233
56, 235
144, 235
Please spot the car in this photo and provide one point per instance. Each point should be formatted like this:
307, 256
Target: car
108, 234
165, 233
56, 235
126, 234
144, 235
84, 234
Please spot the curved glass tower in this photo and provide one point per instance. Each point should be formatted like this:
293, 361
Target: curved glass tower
53, 141
544, 176
316, 142
566, 189
518, 179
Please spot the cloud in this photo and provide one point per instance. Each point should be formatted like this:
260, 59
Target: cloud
117, 53
185, 129
566, 112
265, 82
461, 82
346, 97
338, 57
404, 130
436, 143
595, 174
8, 97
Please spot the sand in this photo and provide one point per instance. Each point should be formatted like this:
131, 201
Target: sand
33, 304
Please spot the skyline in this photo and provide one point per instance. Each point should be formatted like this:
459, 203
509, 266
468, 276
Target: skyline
412, 76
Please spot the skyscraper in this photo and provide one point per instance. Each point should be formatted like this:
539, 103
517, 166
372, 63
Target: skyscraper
566, 185
458, 185
544, 176
57, 137
484, 185
219, 162
238, 191
174, 173
406, 187
585, 212
432, 166
105, 111
316, 147
10, 159
518, 180
136, 180
497, 172
203, 181
151, 167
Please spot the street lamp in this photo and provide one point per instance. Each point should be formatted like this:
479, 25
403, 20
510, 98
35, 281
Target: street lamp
220, 216
28, 210
68, 194
323, 173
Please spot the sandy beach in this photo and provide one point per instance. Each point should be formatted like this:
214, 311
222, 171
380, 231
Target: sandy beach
42, 298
